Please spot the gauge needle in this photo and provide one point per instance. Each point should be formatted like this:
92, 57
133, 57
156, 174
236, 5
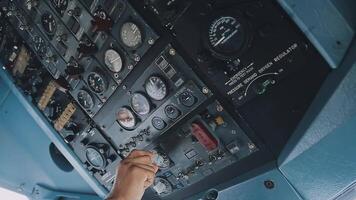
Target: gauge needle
114, 60
232, 34
218, 42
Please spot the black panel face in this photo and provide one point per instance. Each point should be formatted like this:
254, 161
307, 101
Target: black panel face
215, 88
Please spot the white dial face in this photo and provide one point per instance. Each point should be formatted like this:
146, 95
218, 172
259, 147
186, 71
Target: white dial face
113, 60
131, 35
156, 88
140, 104
126, 118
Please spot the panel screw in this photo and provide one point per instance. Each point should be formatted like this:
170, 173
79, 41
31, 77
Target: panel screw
137, 58
151, 41
172, 52
269, 184
205, 90
219, 108
130, 67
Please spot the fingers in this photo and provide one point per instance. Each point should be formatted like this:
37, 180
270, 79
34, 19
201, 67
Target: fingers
141, 171
138, 153
146, 160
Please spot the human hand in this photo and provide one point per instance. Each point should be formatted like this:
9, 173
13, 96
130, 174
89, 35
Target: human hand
135, 174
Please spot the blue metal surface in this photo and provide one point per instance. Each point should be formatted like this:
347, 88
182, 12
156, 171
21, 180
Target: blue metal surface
30, 155
329, 26
320, 160
325, 169
246, 188
43, 193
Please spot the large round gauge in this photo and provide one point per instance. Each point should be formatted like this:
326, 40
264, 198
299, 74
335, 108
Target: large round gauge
96, 82
126, 118
95, 158
227, 36
48, 23
156, 88
131, 35
140, 104
113, 60
85, 99
60, 5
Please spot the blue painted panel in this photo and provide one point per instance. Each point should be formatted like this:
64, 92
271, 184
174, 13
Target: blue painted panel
324, 25
319, 160
328, 168
247, 188
4, 91
46, 129
25, 159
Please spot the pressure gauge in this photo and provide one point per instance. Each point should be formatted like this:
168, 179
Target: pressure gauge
48, 23
140, 104
131, 35
126, 118
156, 88
95, 158
227, 36
85, 99
113, 60
97, 82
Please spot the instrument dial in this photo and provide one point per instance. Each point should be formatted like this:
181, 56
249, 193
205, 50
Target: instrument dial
113, 60
226, 35
97, 82
85, 99
131, 35
60, 5
95, 158
126, 118
162, 186
156, 88
140, 104
48, 23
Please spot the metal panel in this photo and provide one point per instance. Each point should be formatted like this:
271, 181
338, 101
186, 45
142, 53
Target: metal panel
324, 25
25, 158
326, 169
319, 159
254, 188
16, 108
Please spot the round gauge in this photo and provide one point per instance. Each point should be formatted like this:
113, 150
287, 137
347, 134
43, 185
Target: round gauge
113, 60
60, 5
156, 88
95, 158
226, 36
48, 23
131, 35
126, 118
162, 186
85, 99
96, 82
158, 123
187, 98
140, 104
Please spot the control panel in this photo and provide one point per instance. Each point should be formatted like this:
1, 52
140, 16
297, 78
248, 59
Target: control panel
179, 78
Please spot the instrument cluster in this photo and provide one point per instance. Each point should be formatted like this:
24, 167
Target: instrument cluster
207, 85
